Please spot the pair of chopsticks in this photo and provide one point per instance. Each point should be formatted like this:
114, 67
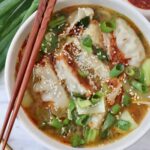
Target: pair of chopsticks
35, 39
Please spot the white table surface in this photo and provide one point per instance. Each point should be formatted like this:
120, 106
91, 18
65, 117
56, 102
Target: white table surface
21, 140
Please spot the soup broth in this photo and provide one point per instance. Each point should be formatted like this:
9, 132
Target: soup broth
90, 83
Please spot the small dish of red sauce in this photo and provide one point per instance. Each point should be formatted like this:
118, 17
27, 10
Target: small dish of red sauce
143, 4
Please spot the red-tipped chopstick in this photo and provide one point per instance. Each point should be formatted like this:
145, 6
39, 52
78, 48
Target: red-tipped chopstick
25, 60
27, 74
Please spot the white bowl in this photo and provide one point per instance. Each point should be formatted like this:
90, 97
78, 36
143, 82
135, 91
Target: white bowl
145, 12
16, 44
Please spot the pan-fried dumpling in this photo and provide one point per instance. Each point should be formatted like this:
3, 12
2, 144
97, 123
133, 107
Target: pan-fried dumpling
88, 60
64, 72
129, 43
81, 13
48, 85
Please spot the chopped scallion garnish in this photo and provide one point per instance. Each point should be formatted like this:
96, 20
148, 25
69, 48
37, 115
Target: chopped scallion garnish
71, 108
109, 122
86, 43
117, 70
84, 22
96, 97
90, 134
104, 134
50, 42
66, 122
115, 109
139, 86
146, 71
123, 125
82, 120
83, 103
108, 26
126, 99
130, 71
56, 123
102, 55
57, 22
76, 140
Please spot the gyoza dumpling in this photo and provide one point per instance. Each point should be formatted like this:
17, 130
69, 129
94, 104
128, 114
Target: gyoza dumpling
48, 85
89, 60
129, 43
81, 13
65, 72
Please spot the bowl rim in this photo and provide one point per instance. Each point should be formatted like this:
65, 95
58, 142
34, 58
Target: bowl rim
21, 114
145, 12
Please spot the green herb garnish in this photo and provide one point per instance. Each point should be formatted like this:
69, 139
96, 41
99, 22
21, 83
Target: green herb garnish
115, 109
108, 26
117, 70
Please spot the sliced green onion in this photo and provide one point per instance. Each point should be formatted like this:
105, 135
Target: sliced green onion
83, 74
50, 42
71, 105
82, 120
88, 49
123, 125
109, 122
117, 70
78, 95
66, 122
83, 103
126, 99
57, 22
102, 55
135, 73
87, 44
56, 123
90, 135
115, 109
71, 108
139, 75
108, 26
95, 100
87, 41
130, 71
142, 77
97, 97
84, 22
104, 134
146, 71
76, 140
139, 86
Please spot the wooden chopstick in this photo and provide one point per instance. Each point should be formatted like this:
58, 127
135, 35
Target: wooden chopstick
25, 60
8, 147
37, 45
